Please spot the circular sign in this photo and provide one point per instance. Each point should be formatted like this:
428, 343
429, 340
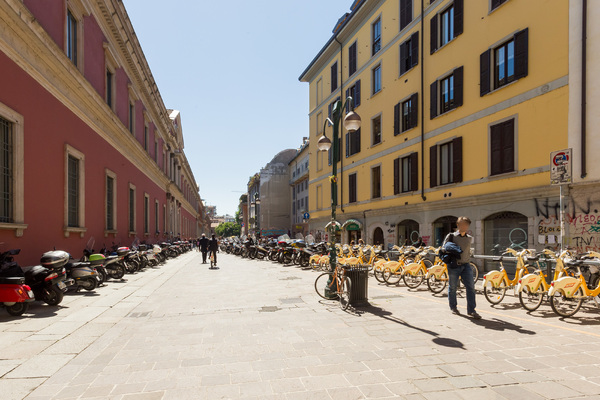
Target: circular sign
306, 216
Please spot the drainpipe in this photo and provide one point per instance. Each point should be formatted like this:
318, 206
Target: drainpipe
583, 88
422, 104
341, 174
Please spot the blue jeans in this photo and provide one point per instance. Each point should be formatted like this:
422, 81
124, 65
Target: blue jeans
464, 272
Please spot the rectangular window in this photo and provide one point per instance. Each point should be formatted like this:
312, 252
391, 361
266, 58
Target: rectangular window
320, 124
376, 182
352, 62
109, 88
376, 29
504, 65
497, 3
71, 37
376, 130
110, 203
406, 13
409, 173
406, 115
146, 139
155, 149
146, 214
131, 209
319, 197
376, 79
131, 117
446, 163
354, 92
447, 94
156, 213
409, 53
447, 25
334, 76
6, 171
352, 188
502, 147
353, 143
73, 191
319, 91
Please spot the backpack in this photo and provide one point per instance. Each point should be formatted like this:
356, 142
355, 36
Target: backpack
450, 252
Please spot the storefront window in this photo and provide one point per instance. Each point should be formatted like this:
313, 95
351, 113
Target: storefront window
501, 231
442, 227
408, 232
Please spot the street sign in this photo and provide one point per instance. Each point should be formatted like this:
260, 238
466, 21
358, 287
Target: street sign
306, 216
561, 167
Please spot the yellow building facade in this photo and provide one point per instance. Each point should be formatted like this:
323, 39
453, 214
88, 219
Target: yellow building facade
461, 102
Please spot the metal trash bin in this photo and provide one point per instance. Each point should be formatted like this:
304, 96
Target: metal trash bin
359, 290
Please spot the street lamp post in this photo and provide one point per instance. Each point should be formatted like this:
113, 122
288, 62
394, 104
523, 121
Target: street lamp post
352, 123
257, 220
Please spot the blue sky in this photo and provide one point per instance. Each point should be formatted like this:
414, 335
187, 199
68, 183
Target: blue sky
231, 68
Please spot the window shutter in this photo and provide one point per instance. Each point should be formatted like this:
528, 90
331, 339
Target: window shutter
352, 59
414, 110
434, 33
397, 119
508, 146
458, 17
334, 77
396, 176
414, 49
347, 144
357, 93
433, 152
403, 57
457, 160
405, 13
496, 150
458, 87
414, 171
347, 104
357, 141
433, 100
521, 53
485, 60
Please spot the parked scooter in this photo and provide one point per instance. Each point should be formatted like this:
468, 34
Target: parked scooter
48, 284
84, 274
15, 295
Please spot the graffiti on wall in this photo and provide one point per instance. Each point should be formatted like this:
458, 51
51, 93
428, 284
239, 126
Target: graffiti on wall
582, 222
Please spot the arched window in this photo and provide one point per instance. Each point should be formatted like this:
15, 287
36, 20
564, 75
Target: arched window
378, 237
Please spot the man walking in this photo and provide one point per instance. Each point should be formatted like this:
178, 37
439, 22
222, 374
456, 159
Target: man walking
213, 247
460, 269
203, 246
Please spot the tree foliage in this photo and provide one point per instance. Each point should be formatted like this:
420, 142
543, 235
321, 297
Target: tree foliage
227, 229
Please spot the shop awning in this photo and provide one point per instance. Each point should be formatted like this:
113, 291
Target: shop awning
352, 225
337, 225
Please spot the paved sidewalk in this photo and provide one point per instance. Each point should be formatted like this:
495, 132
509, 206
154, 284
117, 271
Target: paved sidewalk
257, 330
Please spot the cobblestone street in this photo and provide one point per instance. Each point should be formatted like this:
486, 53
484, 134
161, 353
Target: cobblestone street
257, 330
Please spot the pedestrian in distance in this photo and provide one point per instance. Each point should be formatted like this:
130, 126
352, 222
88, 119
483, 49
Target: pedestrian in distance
213, 247
459, 267
203, 245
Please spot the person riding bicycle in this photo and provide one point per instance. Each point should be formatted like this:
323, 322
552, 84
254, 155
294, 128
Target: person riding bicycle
461, 269
213, 247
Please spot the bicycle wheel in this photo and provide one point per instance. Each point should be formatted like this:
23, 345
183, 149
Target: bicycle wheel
437, 285
531, 300
414, 281
475, 271
392, 277
566, 306
378, 274
344, 292
495, 295
321, 285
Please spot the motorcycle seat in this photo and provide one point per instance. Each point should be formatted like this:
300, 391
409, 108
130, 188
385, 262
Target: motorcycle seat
12, 280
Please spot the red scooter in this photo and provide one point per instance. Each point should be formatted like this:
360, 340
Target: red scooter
15, 295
